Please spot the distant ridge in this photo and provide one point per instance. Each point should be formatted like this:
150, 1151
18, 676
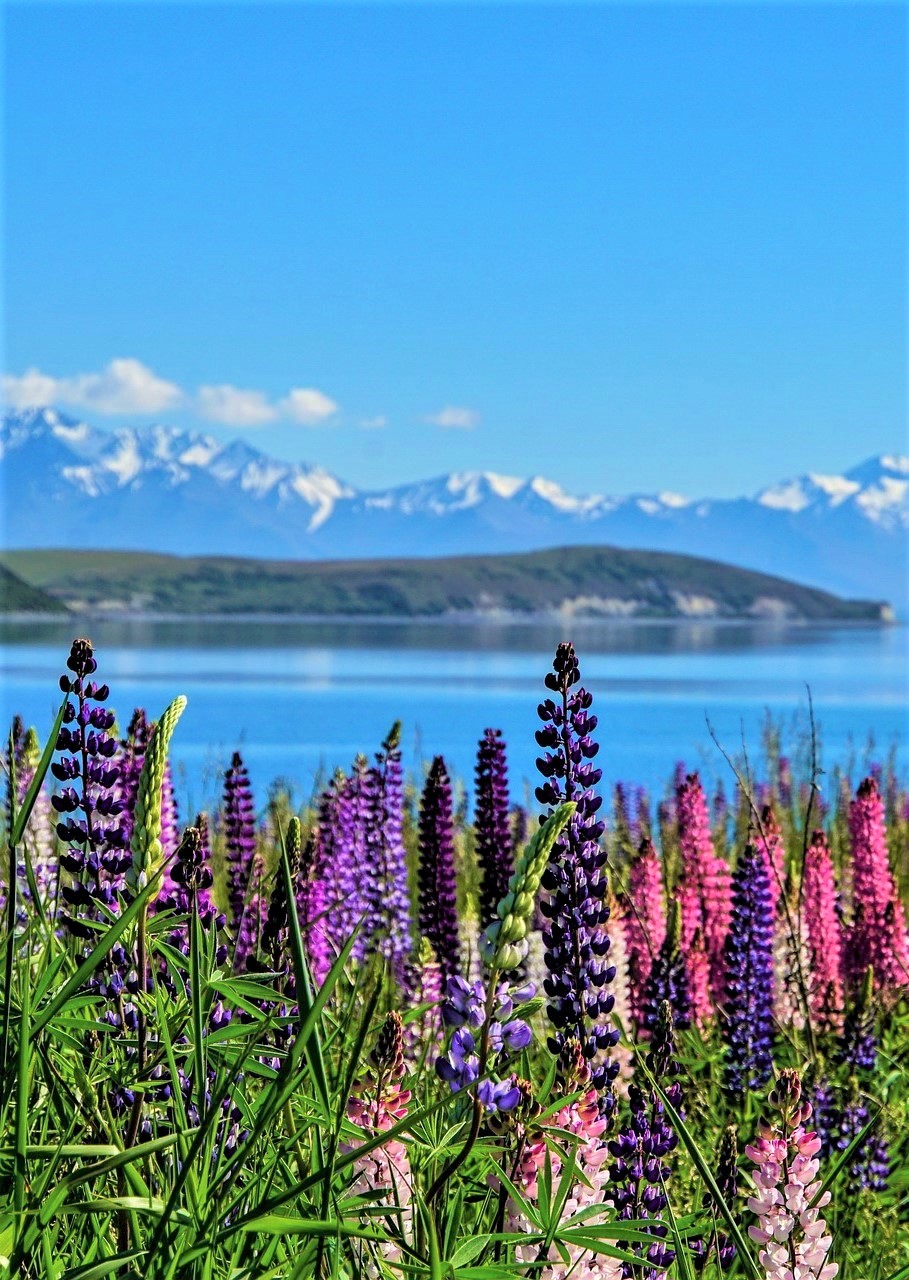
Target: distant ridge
568, 582
162, 489
17, 596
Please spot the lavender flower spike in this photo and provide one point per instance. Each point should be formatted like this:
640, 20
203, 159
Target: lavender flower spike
577, 946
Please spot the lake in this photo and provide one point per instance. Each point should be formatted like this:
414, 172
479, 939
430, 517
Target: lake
299, 698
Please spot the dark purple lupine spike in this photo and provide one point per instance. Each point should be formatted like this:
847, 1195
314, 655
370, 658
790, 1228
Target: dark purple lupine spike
859, 1043
438, 916
388, 923
89, 803
239, 839
492, 823
748, 1019
869, 1165
668, 980
727, 1180
640, 1150
575, 938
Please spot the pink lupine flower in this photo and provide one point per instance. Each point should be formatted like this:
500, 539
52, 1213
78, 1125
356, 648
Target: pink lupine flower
644, 923
770, 843
584, 1121
878, 935
377, 1103
621, 990
792, 1235
823, 934
704, 893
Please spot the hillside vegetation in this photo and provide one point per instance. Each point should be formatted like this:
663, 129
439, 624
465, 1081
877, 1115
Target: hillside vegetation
17, 596
573, 581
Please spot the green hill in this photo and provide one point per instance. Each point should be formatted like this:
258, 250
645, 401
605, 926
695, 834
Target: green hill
571, 581
18, 596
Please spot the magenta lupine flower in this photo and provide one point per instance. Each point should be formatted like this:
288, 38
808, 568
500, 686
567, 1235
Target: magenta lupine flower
170, 826
255, 913
492, 824
823, 934
877, 938
89, 804
438, 916
705, 897
645, 922
576, 910
792, 1235
239, 839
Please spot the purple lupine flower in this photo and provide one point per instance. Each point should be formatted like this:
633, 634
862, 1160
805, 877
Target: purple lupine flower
492, 823
465, 1010
859, 1043
38, 837
748, 1023
870, 1164
340, 861
387, 929
668, 979
576, 912
239, 839
727, 1180
132, 756
170, 826
640, 1150
438, 915
248, 939
89, 803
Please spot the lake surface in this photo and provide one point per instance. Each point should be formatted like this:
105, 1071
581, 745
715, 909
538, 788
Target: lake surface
300, 698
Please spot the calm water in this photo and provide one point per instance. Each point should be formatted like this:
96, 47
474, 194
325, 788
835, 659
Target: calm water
300, 698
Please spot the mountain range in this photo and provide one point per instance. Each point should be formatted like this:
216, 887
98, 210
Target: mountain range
70, 484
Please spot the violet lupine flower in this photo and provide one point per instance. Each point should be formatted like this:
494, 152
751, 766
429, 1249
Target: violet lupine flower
387, 929
877, 939
438, 916
823, 932
859, 1044
239, 839
748, 1019
645, 922
704, 894
577, 945
790, 1231
667, 982
337, 898
492, 823
98, 853
640, 1150
312, 901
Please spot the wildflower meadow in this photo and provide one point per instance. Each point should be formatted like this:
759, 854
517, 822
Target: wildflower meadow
416, 1029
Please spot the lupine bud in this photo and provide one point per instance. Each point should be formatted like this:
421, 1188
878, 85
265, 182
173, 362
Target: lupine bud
145, 844
503, 943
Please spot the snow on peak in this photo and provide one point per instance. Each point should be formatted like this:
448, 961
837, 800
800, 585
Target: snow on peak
788, 496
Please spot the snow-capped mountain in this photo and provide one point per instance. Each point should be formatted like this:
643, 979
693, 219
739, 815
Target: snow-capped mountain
67, 483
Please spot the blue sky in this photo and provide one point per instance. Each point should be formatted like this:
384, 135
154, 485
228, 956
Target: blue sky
633, 247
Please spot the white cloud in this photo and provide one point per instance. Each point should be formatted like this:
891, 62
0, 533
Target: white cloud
234, 407
456, 417
374, 424
122, 386
307, 405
